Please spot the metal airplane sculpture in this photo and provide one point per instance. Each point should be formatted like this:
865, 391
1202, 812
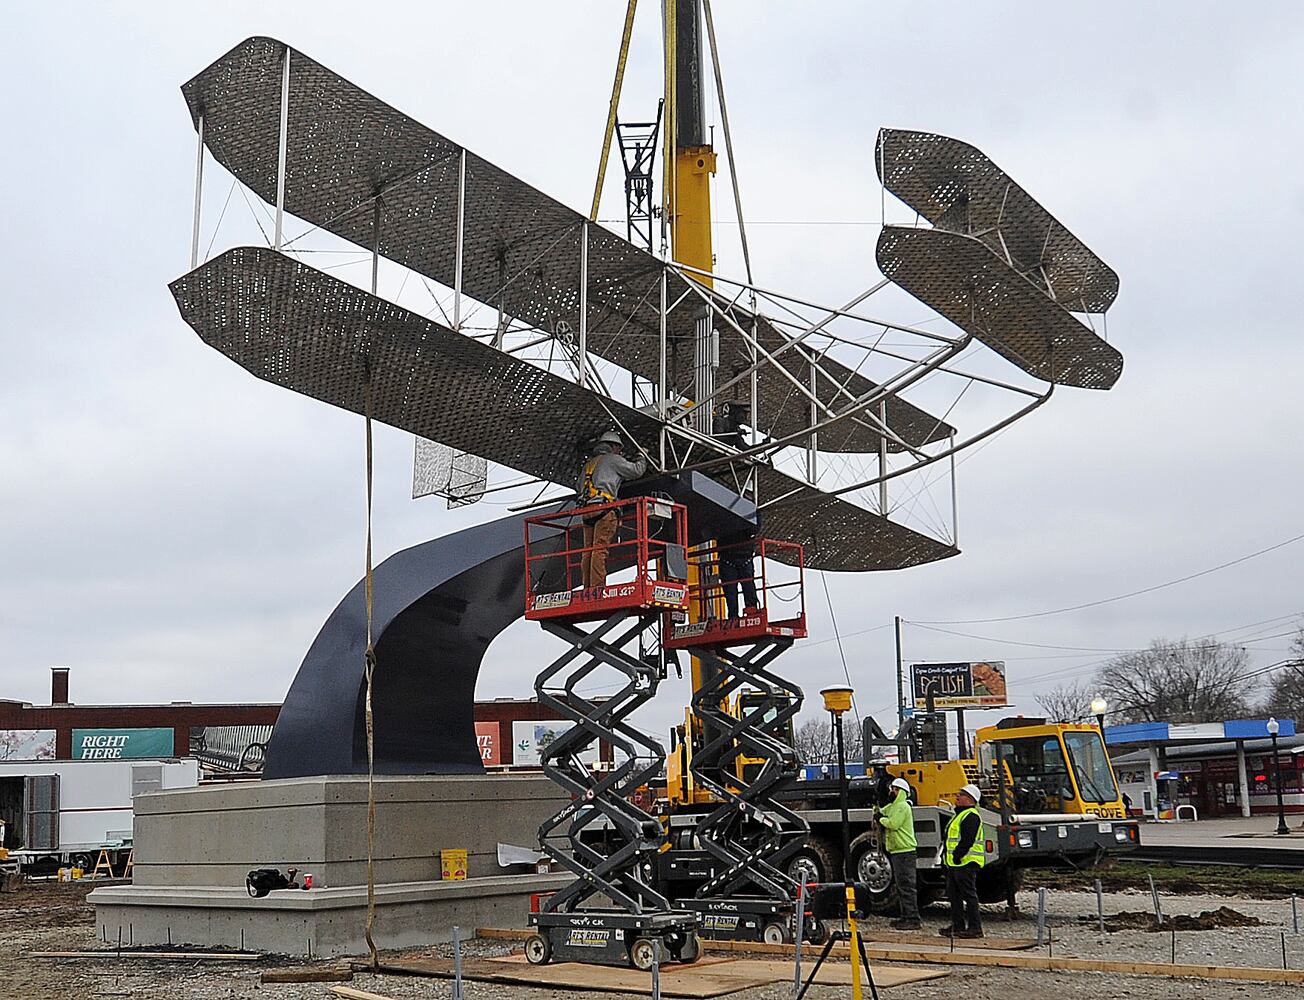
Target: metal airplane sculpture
313, 145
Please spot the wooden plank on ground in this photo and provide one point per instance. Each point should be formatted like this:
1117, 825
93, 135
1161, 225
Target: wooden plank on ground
704, 979
682, 981
1013, 961
941, 954
923, 952
165, 956
318, 974
836, 973
502, 933
349, 993
892, 938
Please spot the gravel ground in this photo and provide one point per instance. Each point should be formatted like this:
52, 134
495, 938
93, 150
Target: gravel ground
55, 917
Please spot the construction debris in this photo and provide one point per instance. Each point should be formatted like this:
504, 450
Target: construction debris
1208, 920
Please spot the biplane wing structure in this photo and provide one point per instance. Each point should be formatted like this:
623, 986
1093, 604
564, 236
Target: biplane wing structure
303, 329
956, 187
996, 263
454, 217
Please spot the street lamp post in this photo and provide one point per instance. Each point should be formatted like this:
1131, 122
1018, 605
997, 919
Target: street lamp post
1099, 706
1274, 727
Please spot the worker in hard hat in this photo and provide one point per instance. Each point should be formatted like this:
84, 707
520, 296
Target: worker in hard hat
600, 481
897, 819
963, 856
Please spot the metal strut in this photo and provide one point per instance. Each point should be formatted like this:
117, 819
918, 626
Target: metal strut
616, 863
745, 760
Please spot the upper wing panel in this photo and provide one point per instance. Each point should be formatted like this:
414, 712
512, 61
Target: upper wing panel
521, 248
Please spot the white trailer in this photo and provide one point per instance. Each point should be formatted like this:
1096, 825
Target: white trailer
63, 812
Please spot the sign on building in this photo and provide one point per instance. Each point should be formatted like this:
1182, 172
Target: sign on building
487, 738
959, 685
529, 737
121, 744
27, 744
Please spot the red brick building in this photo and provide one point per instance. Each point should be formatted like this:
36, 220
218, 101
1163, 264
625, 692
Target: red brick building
493, 719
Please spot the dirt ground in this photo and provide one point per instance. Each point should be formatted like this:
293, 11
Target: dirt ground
51, 916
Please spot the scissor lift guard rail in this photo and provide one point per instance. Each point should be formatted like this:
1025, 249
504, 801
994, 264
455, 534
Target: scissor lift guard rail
741, 752
642, 927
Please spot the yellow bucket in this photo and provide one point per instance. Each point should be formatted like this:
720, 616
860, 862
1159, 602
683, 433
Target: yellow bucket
452, 864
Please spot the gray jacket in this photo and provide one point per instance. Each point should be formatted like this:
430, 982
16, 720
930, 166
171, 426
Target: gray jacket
610, 471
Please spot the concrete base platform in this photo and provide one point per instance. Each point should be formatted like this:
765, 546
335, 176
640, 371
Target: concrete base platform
194, 846
214, 834
315, 923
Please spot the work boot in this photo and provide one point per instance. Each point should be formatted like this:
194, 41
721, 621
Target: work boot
906, 925
971, 932
950, 931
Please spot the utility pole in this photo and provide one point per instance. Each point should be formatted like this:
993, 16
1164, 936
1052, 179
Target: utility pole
901, 680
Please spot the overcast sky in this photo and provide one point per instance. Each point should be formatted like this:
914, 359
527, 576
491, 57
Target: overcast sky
173, 529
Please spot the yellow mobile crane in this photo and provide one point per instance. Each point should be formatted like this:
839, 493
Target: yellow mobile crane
1058, 806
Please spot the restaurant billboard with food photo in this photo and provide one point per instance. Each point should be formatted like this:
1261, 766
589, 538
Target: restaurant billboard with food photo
959, 685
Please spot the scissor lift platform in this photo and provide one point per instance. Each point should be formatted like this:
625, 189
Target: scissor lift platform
649, 539
613, 634
779, 611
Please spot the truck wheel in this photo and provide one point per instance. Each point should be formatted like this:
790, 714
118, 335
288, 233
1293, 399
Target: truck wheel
873, 873
816, 862
996, 882
538, 949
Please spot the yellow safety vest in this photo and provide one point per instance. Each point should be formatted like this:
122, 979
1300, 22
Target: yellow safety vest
588, 492
976, 854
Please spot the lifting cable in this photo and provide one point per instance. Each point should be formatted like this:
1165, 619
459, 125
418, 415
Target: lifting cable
669, 136
728, 141
611, 110
846, 671
369, 665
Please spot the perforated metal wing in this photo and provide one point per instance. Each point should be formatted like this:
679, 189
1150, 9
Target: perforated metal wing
956, 187
305, 330
996, 263
521, 248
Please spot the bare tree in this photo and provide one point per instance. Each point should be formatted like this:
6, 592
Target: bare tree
815, 743
1067, 702
1285, 697
1183, 681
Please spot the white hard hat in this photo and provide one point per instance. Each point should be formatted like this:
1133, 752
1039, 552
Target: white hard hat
610, 437
974, 792
900, 783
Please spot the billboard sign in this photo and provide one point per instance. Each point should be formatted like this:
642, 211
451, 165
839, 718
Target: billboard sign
959, 685
121, 744
529, 737
26, 744
487, 738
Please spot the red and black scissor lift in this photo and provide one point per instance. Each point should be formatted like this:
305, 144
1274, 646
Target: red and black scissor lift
736, 852
613, 633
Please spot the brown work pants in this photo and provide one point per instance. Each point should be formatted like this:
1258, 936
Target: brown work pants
597, 536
